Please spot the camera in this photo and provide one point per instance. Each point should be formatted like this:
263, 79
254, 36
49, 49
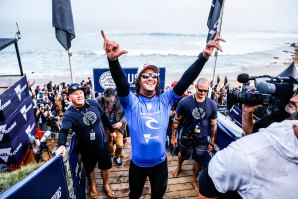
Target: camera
273, 91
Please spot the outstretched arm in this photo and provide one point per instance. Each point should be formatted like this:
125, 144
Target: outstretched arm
118, 75
194, 70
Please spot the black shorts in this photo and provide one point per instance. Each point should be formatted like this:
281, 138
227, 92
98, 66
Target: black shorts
195, 147
103, 158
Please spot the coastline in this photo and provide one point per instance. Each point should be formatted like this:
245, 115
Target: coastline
272, 70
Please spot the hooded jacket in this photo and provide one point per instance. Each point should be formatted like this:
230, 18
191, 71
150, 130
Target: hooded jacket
260, 165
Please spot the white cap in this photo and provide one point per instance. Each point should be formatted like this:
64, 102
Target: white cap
145, 66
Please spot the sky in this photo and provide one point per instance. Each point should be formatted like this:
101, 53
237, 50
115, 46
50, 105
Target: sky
153, 15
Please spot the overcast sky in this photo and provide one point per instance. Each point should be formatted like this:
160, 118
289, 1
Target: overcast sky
155, 15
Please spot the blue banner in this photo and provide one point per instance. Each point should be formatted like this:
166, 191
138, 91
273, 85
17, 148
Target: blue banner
48, 181
13, 151
12, 97
77, 170
16, 122
103, 79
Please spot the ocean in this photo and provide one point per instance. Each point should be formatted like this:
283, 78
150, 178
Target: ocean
43, 57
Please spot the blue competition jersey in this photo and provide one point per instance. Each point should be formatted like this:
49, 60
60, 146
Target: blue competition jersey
148, 120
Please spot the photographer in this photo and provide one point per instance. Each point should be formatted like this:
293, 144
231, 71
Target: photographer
42, 117
261, 165
250, 125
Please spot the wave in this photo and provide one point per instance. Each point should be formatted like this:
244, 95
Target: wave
161, 34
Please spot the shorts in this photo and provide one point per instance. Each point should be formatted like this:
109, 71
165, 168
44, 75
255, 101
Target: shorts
103, 158
195, 147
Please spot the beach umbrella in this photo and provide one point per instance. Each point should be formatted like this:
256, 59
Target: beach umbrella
64, 28
214, 24
289, 71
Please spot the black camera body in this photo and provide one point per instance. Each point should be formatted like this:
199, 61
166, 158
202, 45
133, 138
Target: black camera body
274, 91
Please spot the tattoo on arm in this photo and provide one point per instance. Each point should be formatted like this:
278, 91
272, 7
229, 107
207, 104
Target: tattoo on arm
176, 124
213, 130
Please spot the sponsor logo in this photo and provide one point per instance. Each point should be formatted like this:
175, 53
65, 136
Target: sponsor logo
24, 111
148, 137
4, 154
149, 106
150, 122
106, 80
3, 129
16, 150
57, 194
29, 129
2, 107
19, 90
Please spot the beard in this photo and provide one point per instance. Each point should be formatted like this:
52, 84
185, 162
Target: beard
292, 112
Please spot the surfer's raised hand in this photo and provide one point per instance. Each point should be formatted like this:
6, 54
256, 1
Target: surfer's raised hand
207, 52
112, 48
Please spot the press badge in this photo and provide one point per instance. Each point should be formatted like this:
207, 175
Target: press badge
197, 129
92, 135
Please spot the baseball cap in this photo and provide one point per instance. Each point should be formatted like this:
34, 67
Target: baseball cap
75, 86
145, 66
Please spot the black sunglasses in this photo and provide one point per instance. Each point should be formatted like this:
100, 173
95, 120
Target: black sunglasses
201, 90
147, 75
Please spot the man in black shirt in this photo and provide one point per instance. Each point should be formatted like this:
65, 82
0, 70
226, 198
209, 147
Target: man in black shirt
87, 120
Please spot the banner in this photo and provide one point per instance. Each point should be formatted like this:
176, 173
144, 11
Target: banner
13, 151
63, 22
12, 97
48, 181
214, 19
77, 170
16, 122
103, 78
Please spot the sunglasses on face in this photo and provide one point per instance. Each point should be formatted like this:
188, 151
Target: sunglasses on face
201, 90
147, 75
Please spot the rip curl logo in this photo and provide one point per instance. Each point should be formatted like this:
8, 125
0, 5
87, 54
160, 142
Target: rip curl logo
150, 122
2, 107
198, 113
106, 80
89, 118
24, 110
148, 137
19, 90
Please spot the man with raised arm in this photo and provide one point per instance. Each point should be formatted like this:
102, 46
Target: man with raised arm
147, 115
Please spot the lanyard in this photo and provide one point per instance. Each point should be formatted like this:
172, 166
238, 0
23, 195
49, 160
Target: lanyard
198, 106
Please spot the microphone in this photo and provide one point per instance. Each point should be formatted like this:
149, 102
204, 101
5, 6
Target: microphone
244, 78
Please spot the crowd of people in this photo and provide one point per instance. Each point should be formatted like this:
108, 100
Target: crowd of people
182, 112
